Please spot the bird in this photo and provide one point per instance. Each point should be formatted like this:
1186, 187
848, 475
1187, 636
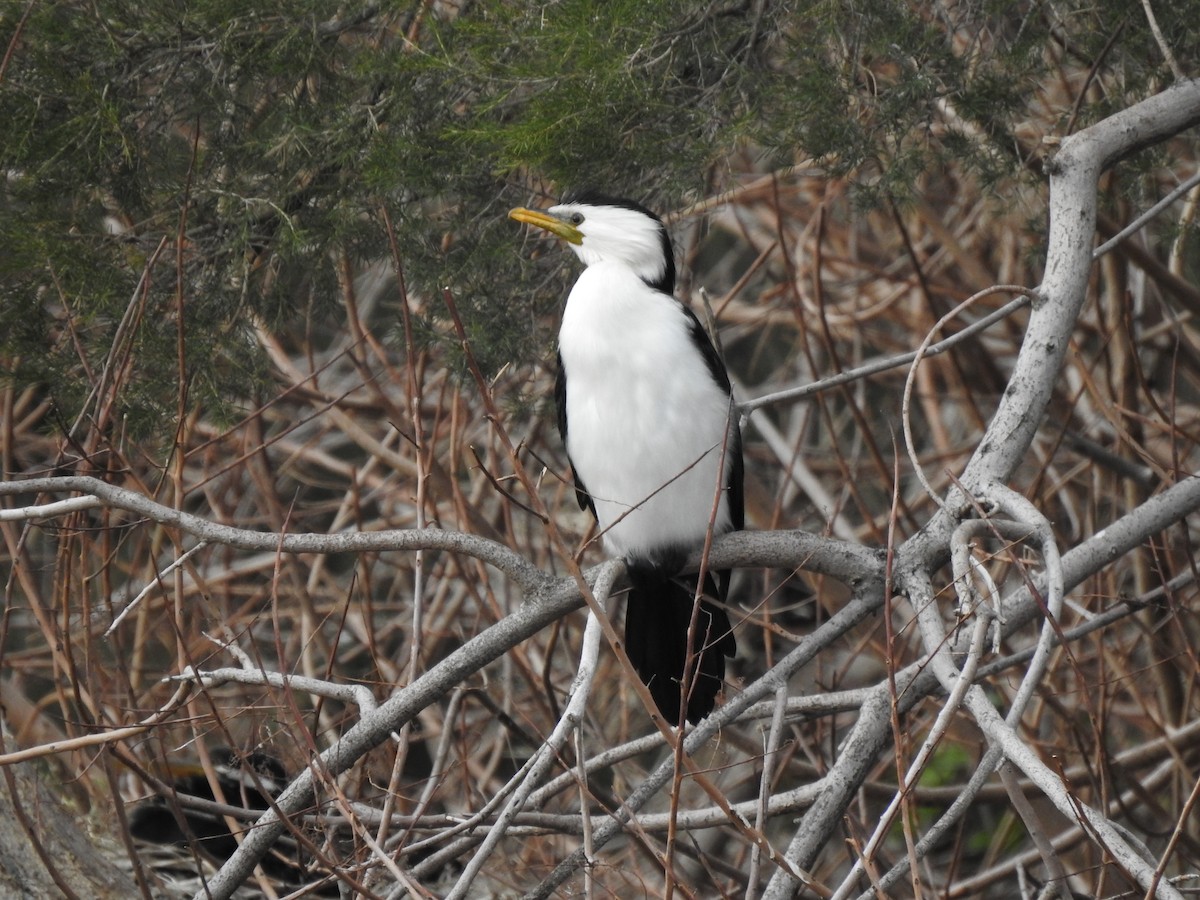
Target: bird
248, 780
645, 409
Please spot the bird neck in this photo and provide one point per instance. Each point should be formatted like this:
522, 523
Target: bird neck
655, 267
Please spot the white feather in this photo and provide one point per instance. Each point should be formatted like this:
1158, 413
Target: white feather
617, 234
646, 420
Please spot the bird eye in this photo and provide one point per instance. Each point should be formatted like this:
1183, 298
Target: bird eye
576, 218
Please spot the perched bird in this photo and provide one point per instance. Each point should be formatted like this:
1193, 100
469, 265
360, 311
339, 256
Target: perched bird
247, 781
645, 411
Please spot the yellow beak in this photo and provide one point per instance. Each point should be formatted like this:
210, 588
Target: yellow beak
554, 225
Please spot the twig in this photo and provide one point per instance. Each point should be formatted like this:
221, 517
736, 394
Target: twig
527, 576
1001, 733
865, 601
941, 724
766, 782
178, 699
356, 694
1145, 217
1017, 507
883, 365
548, 752
49, 510
156, 582
1057, 882
1167, 53
921, 352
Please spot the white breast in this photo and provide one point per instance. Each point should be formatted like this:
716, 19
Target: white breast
646, 422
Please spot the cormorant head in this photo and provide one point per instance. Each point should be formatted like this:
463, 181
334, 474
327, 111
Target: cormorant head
608, 229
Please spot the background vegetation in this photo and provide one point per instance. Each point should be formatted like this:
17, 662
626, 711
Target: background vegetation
233, 240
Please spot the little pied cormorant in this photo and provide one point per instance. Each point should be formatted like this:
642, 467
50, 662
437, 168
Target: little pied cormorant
645, 411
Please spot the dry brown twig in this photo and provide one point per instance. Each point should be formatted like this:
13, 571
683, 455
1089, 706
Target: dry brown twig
406, 689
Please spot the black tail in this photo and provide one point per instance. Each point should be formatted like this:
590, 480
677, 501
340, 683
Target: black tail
657, 615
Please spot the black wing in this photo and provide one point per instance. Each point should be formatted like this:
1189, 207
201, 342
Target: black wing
716, 368
560, 402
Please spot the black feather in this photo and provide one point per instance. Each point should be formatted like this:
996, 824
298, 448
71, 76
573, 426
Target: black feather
560, 403
657, 616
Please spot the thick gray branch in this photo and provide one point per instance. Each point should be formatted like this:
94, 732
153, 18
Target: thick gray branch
1074, 171
528, 576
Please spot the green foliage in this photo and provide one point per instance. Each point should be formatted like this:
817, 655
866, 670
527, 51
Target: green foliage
220, 158
946, 766
608, 93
